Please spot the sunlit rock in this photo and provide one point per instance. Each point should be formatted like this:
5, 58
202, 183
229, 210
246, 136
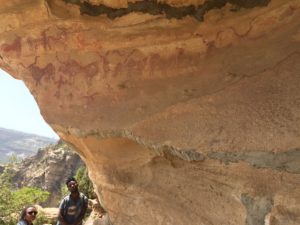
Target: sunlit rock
185, 112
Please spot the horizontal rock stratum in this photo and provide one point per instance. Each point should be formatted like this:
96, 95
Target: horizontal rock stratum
185, 112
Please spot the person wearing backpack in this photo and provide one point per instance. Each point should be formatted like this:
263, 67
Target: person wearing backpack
73, 207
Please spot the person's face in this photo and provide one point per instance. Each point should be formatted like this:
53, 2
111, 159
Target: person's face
72, 186
31, 213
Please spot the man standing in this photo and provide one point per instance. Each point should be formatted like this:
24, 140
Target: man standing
73, 207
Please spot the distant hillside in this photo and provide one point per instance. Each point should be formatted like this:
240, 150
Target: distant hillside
48, 169
21, 144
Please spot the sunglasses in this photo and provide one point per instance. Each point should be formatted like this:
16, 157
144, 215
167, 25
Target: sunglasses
32, 213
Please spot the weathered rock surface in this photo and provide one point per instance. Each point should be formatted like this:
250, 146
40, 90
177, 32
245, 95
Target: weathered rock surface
49, 213
185, 112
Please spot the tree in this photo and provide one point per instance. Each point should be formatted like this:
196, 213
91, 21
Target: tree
13, 200
85, 185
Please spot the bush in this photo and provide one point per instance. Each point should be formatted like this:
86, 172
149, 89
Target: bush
13, 200
42, 219
85, 185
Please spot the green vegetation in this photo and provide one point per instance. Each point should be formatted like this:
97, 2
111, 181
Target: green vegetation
12, 200
85, 185
10, 159
42, 219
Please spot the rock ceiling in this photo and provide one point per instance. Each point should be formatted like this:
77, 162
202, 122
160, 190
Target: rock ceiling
185, 112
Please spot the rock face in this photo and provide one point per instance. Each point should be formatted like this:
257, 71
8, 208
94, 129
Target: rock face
185, 112
48, 169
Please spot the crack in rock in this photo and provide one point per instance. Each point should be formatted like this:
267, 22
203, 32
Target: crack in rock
257, 209
160, 149
186, 155
288, 161
154, 7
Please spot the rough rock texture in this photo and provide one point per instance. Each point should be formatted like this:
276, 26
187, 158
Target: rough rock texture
49, 213
185, 112
48, 169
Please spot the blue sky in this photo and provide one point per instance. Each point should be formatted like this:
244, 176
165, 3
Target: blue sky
19, 110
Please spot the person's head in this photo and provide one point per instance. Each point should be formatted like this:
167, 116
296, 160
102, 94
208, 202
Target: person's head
72, 184
29, 214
